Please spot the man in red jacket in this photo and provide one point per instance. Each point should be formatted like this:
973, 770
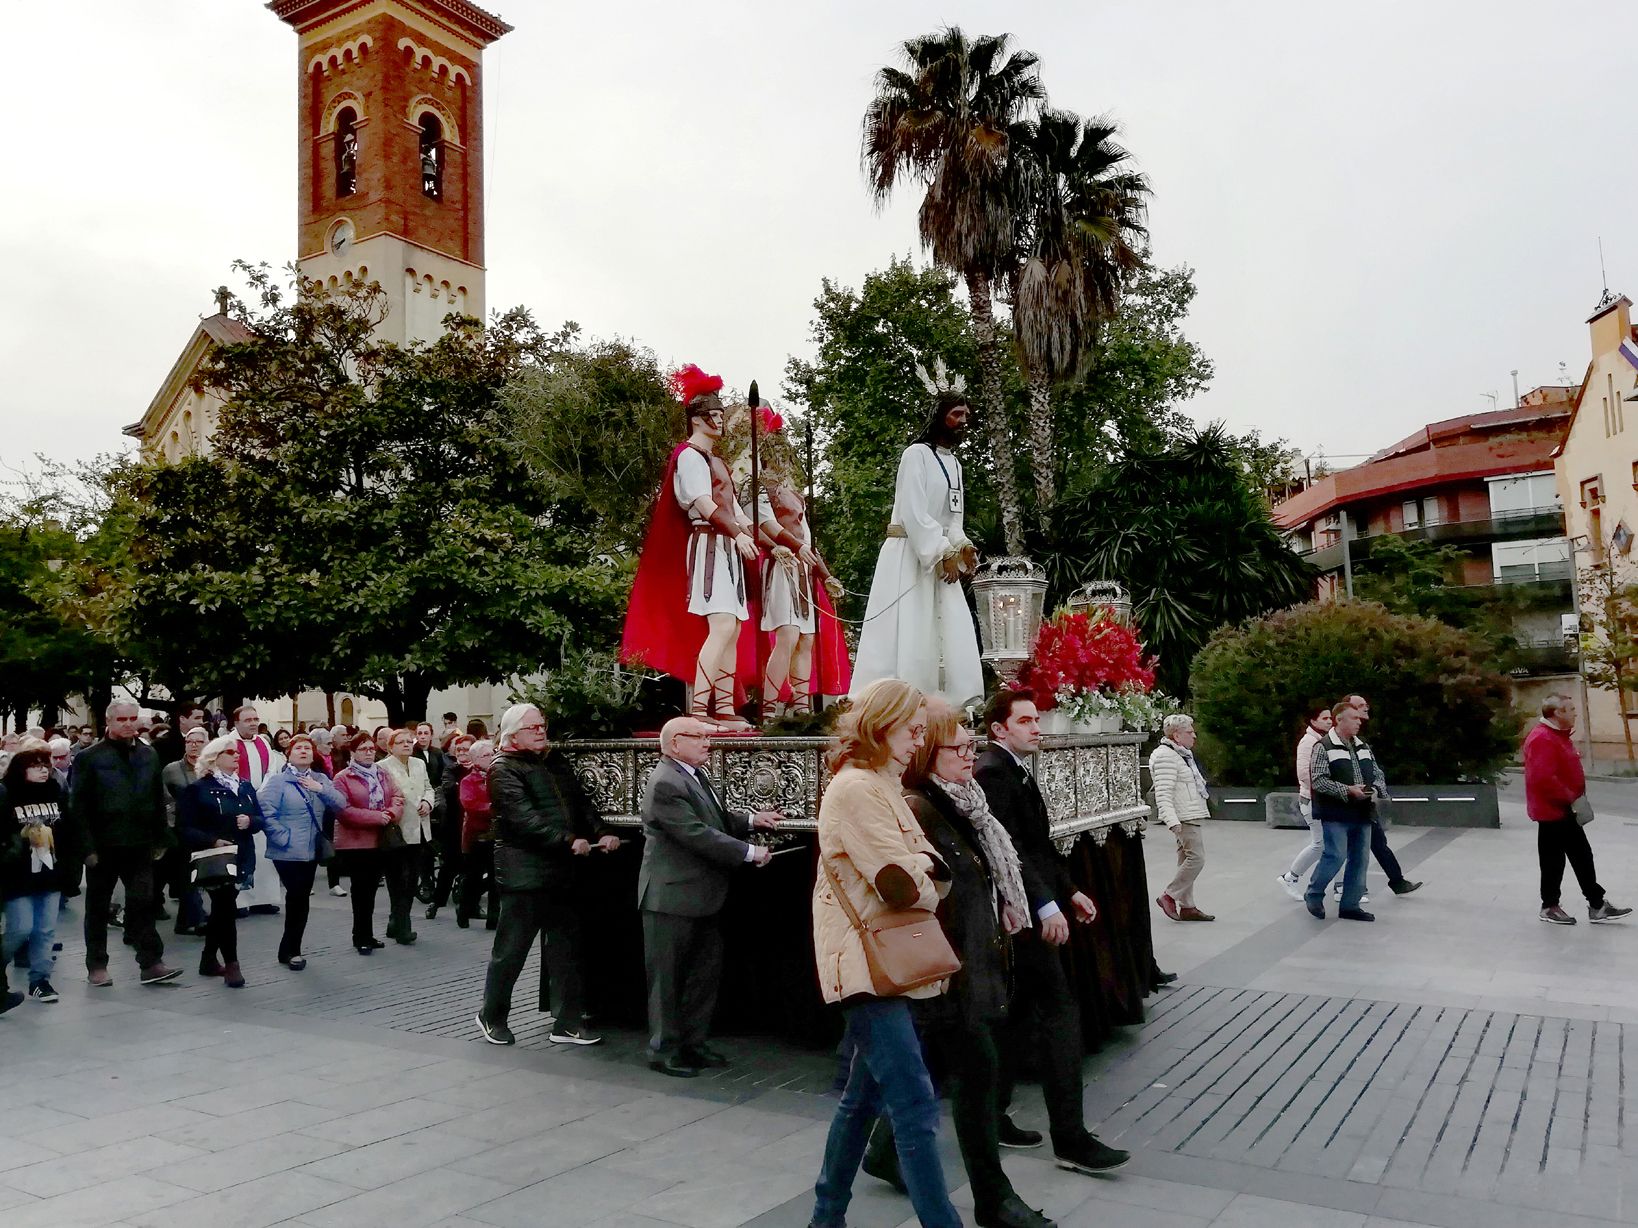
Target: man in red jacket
1553, 783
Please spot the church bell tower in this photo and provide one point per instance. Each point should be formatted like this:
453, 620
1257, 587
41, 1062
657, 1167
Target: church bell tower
390, 152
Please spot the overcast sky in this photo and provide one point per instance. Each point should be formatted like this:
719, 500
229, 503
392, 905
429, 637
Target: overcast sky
1388, 207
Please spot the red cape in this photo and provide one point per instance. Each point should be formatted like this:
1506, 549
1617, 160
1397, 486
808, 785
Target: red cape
835, 673
660, 632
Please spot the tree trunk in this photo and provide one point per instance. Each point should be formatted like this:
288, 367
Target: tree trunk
994, 410
1042, 462
392, 694
330, 709
417, 690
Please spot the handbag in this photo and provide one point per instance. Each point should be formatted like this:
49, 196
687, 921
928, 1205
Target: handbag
324, 849
1582, 809
392, 837
214, 868
904, 950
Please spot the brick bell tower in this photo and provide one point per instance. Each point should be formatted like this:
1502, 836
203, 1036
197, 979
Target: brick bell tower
390, 152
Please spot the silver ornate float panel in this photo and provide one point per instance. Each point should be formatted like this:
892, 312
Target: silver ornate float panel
1090, 781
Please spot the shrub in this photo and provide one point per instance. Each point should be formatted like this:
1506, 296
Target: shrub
1439, 712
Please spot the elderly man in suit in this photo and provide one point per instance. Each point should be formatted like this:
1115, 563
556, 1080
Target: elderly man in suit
693, 844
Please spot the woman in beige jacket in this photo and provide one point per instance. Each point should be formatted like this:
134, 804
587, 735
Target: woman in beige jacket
871, 842
409, 774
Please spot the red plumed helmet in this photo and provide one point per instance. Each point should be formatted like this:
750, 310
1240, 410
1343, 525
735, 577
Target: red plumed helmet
772, 422
690, 382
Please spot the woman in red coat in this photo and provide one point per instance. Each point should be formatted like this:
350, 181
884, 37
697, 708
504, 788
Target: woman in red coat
477, 844
373, 801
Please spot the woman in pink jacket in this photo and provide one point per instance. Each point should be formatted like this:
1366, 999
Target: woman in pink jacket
373, 801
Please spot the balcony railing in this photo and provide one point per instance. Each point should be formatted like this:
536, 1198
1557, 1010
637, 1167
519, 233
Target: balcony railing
1503, 526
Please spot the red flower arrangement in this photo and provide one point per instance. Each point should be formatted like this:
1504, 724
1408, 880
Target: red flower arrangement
1085, 651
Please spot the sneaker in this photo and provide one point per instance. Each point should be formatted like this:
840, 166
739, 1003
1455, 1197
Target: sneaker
1364, 898
41, 991
98, 978
1012, 1135
1087, 1155
339, 891
1557, 916
1607, 912
1293, 886
495, 1033
10, 1000
575, 1036
155, 974
1405, 887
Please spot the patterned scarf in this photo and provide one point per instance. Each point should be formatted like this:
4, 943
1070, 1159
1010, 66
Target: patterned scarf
371, 772
969, 799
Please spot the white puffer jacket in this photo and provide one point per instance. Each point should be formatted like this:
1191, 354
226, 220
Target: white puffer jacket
1177, 793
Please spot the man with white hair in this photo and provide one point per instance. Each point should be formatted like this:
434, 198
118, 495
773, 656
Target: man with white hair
119, 801
543, 820
692, 845
1555, 798
62, 757
1181, 801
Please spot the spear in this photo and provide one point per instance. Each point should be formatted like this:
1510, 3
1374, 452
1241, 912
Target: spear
752, 400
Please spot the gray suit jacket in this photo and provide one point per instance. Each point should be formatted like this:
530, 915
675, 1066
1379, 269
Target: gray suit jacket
692, 845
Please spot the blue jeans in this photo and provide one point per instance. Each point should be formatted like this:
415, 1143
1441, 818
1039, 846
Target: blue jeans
32, 920
1347, 848
887, 1074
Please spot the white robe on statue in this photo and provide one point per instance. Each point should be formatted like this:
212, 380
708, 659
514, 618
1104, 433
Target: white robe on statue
917, 627
263, 761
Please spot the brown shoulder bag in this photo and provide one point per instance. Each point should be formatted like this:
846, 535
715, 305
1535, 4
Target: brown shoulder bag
904, 950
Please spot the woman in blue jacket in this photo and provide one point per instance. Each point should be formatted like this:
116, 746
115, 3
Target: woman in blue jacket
220, 811
293, 801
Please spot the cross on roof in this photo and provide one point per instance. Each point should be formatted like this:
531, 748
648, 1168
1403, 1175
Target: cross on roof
223, 296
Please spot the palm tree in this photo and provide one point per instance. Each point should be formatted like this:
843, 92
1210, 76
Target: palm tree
947, 120
1081, 239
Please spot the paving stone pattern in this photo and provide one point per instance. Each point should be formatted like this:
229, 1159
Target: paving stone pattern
1484, 1104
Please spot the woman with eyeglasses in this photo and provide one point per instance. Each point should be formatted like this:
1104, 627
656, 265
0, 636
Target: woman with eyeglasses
872, 849
986, 904
372, 802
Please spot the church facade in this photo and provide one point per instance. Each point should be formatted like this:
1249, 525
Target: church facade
389, 153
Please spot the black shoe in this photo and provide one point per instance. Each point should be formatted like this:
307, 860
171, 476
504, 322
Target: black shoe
10, 1000
366, 948
432, 911
1316, 908
489, 925
705, 1056
1010, 1135
376, 944
41, 991
1087, 1155
1404, 886
1013, 1213
1356, 914
116, 920
495, 1033
1607, 912
295, 963
1165, 978
674, 1066
265, 910
405, 937
463, 922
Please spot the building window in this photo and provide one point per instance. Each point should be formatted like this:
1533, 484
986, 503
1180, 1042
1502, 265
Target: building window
1522, 494
346, 152
1592, 492
1413, 513
432, 157
1546, 558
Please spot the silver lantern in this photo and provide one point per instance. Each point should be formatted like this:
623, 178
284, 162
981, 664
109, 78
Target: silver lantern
1108, 593
1010, 593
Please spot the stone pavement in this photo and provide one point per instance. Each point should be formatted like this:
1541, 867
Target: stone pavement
1457, 1063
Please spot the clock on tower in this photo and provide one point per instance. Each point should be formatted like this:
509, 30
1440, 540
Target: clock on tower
390, 152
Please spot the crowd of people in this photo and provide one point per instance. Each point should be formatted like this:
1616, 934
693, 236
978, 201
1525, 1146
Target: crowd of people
913, 823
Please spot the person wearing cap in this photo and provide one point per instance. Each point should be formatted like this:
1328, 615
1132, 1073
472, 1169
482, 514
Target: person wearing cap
543, 821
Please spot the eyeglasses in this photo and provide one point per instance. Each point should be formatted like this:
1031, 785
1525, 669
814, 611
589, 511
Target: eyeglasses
965, 749
531, 728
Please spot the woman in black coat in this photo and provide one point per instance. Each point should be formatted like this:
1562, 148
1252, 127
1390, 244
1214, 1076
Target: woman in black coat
40, 858
986, 903
220, 811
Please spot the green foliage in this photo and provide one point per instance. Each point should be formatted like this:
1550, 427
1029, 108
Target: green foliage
596, 422
588, 694
1439, 712
366, 521
1609, 624
1181, 526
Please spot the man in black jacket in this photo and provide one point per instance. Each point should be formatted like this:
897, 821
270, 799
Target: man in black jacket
446, 830
1041, 992
119, 802
543, 820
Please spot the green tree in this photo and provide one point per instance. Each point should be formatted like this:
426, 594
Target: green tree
1183, 528
1439, 711
1081, 232
947, 120
596, 422
366, 520
1609, 630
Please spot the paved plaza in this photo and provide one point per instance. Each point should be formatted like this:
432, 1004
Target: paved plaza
1457, 1063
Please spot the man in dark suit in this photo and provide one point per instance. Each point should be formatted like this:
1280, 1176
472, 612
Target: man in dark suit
1041, 992
693, 845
